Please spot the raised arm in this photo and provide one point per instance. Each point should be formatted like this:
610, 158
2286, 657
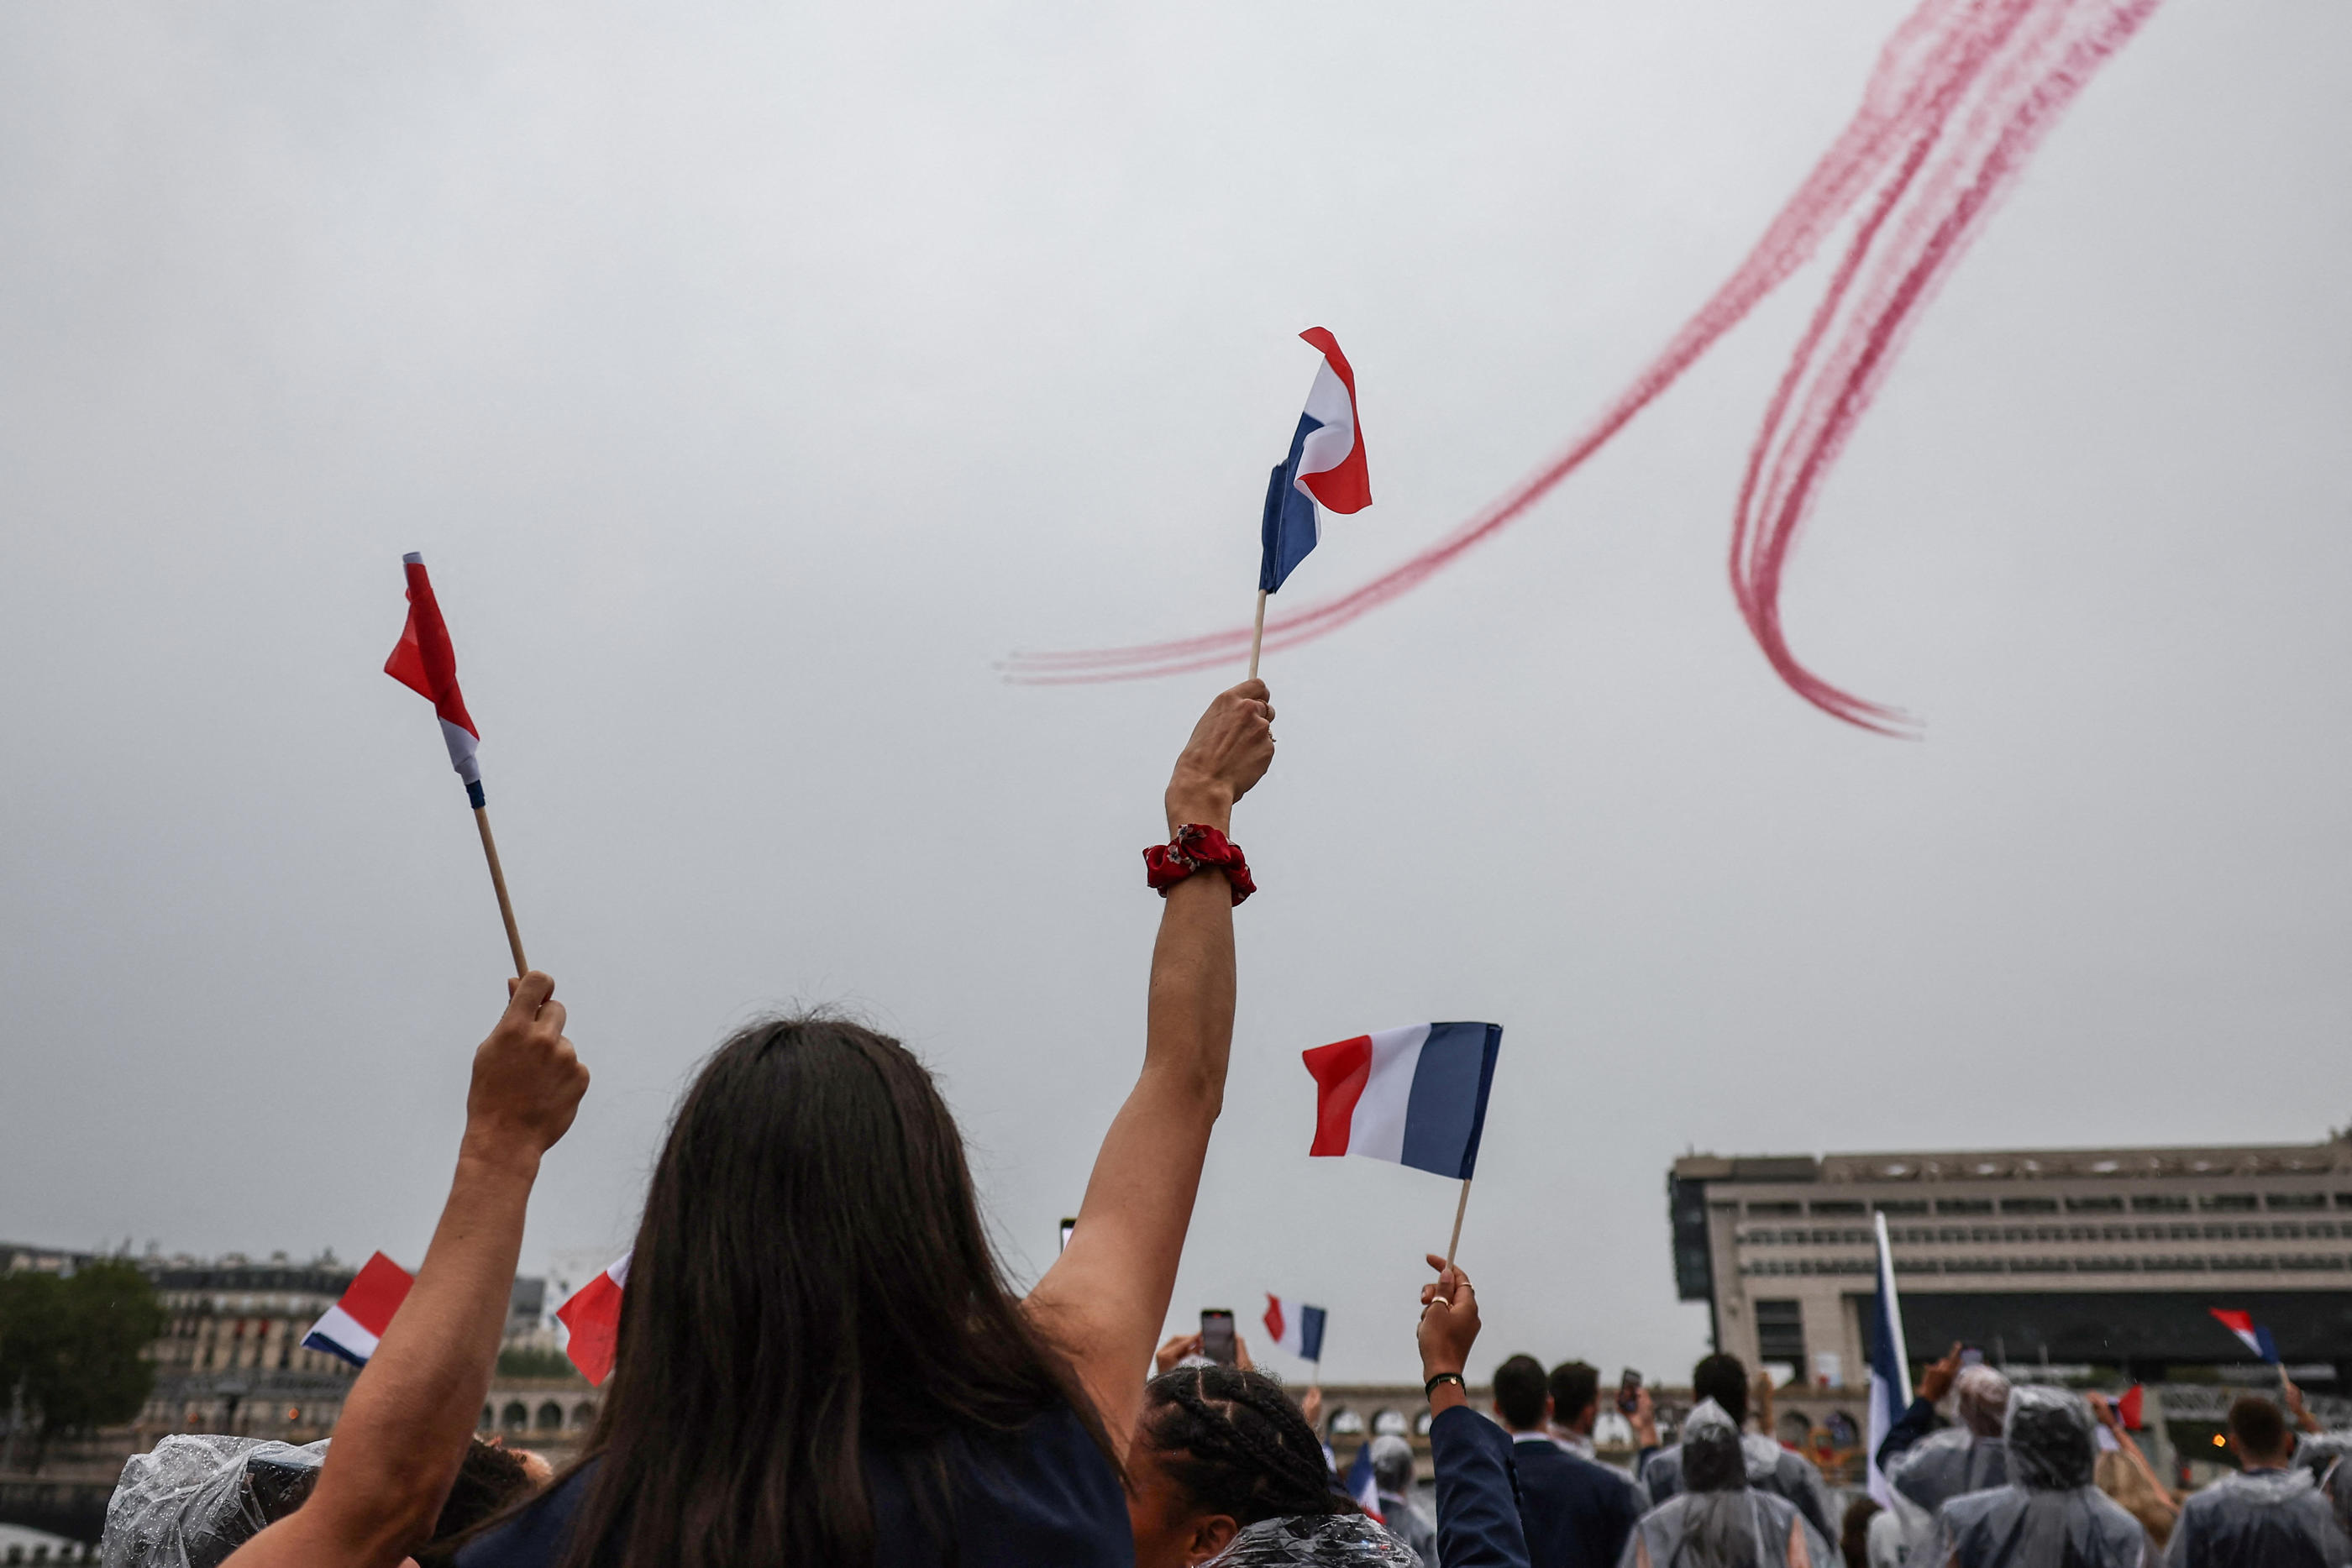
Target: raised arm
1106, 1297
413, 1409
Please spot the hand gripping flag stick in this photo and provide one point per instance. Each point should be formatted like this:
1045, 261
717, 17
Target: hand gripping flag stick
424, 662
1326, 465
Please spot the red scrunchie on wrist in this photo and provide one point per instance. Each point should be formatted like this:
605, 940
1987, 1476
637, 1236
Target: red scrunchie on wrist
1194, 846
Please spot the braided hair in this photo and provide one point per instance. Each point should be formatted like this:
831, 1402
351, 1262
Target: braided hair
1234, 1443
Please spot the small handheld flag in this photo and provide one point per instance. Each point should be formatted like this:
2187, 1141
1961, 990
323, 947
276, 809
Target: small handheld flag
1363, 1485
426, 662
1890, 1367
593, 1320
1416, 1095
1295, 1327
353, 1325
1325, 465
2251, 1334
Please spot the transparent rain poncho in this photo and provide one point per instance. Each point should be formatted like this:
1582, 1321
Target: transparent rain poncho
2262, 1518
1333, 1541
2050, 1516
1717, 1518
196, 1498
1771, 1468
1968, 1458
2322, 1455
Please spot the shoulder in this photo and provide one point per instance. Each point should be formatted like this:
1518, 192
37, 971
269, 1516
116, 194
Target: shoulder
536, 1536
1041, 1491
1970, 1507
1595, 1476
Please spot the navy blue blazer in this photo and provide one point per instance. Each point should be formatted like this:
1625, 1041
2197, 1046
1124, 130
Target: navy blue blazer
1477, 1496
1577, 1512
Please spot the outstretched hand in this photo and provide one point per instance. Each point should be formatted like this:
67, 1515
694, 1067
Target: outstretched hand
528, 1080
1936, 1380
1229, 751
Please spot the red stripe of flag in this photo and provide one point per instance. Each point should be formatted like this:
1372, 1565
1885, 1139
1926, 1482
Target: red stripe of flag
1341, 1070
375, 1293
423, 660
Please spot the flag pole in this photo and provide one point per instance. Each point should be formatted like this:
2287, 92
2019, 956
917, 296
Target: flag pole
1257, 634
498, 881
1459, 1204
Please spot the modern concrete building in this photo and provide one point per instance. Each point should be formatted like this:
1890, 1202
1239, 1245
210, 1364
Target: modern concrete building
2105, 1257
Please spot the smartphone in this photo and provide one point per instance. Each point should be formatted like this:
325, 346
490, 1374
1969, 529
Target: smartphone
1068, 1226
1217, 1334
1628, 1388
1971, 1355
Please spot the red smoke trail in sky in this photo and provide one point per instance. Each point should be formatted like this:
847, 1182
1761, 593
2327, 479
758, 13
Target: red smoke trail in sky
1962, 94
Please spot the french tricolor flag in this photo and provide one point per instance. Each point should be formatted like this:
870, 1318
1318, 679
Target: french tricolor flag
1295, 1327
1416, 1095
2255, 1337
592, 1319
358, 1319
425, 662
1326, 463
1363, 1484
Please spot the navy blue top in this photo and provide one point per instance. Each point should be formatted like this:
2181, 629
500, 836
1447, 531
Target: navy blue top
1477, 1497
1577, 1511
1044, 1494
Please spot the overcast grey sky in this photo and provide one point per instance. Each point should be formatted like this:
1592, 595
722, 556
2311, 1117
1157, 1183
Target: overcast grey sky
752, 376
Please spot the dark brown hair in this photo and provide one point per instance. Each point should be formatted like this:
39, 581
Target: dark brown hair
811, 1286
2258, 1426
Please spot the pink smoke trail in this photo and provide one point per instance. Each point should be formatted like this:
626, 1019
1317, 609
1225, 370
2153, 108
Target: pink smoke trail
1963, 92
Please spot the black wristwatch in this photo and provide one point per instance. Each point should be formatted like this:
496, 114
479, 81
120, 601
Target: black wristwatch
1430, 1388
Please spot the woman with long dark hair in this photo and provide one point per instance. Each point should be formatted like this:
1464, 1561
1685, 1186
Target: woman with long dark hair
820, 1361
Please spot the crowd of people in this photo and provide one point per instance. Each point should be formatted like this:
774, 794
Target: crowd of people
822, 1362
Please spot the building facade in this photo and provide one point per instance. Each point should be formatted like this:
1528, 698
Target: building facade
2099, 1257
231, 1357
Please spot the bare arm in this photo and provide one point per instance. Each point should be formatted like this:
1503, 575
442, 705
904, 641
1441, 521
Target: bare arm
414, 1408
1106, 1297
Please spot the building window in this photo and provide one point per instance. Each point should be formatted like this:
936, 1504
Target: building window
1840, 1208
1775, 1210
1964, 1206
550, 1416
1901, 1205
2094, 1205
2229, 1202
515, 1417
1780, 1333
2159, 1204
2297, 1201
2029, 1206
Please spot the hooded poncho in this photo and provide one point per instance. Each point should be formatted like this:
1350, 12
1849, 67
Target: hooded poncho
195, 1500
2051, 1516
1718, 1519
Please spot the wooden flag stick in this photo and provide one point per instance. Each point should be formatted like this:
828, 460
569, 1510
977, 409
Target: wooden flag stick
1459, 1204
1257, 635
505, 905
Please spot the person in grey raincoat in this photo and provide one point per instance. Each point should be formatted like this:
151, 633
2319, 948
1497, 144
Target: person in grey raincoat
1925, 1467
1407, 1520
1717, 1518
2267, 1516
196, 1498
1723, 1380
1934, 1469
2049, 1515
